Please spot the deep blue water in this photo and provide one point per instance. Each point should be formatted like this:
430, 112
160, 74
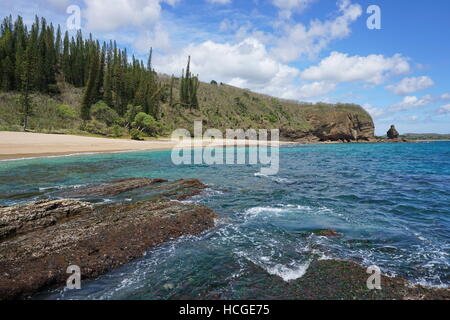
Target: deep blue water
391, 202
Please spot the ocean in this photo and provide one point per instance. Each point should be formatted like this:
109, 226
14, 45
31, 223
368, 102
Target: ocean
389, 202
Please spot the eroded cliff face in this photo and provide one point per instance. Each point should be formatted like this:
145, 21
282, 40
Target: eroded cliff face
342, 124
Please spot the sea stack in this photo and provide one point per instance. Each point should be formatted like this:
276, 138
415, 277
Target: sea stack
393, 133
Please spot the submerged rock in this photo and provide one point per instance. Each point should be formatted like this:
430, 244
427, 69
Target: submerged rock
97, 239
328, 233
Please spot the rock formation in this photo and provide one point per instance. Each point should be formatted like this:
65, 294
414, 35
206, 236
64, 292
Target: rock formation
40, 240
349, 124
39, 215
330, 280
115, 187
393, 133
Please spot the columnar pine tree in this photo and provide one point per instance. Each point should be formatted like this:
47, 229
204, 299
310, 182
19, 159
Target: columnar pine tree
189, 88
38, 59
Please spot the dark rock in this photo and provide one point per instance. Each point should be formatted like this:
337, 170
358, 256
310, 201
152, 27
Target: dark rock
150, 188
39, 215
393, 133
113, 188
96, 239
181, 189
329, 280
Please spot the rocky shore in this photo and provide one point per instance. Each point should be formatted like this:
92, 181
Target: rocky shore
328, 280
38, 241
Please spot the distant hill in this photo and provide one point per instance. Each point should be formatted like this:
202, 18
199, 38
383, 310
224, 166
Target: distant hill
426, 136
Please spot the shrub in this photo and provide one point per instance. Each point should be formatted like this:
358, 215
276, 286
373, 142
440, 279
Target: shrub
95, 127
66, 112
101, 112
116, 131
131, 113
214, 82
136, 134
146, 123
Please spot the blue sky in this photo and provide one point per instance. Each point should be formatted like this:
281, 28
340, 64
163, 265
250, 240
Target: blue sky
307, 50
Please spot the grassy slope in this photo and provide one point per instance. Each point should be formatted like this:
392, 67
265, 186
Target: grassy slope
225, 106
221, 107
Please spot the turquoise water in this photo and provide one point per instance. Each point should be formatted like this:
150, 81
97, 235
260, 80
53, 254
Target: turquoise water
391, 202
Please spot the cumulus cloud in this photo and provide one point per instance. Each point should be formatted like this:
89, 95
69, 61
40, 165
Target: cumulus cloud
109, 15
411, 103
59, 4
444, 109
445, 96
287, 7
297, 39
411, 85
245, 64
340, 67
313, 89
373, 111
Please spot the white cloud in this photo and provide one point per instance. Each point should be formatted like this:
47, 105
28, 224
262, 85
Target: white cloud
314, 89
59, 4
412, 118
411, 85
444, 109
287, 7
157, 37
246, 64
445, 96
109, 15
340, 67
411, 103
373, 111
298, 39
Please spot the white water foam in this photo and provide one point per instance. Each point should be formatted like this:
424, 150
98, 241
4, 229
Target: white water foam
289, 273
274, 178
283, 209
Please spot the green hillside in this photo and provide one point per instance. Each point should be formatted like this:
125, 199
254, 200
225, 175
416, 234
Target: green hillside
220, 106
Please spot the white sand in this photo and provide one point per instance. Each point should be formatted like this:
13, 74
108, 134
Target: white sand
16, 145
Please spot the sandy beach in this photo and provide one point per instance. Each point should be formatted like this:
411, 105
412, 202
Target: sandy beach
17, 145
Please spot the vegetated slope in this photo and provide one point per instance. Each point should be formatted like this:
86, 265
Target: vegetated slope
221, 106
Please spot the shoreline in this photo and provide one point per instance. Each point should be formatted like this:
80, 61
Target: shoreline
16, 146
